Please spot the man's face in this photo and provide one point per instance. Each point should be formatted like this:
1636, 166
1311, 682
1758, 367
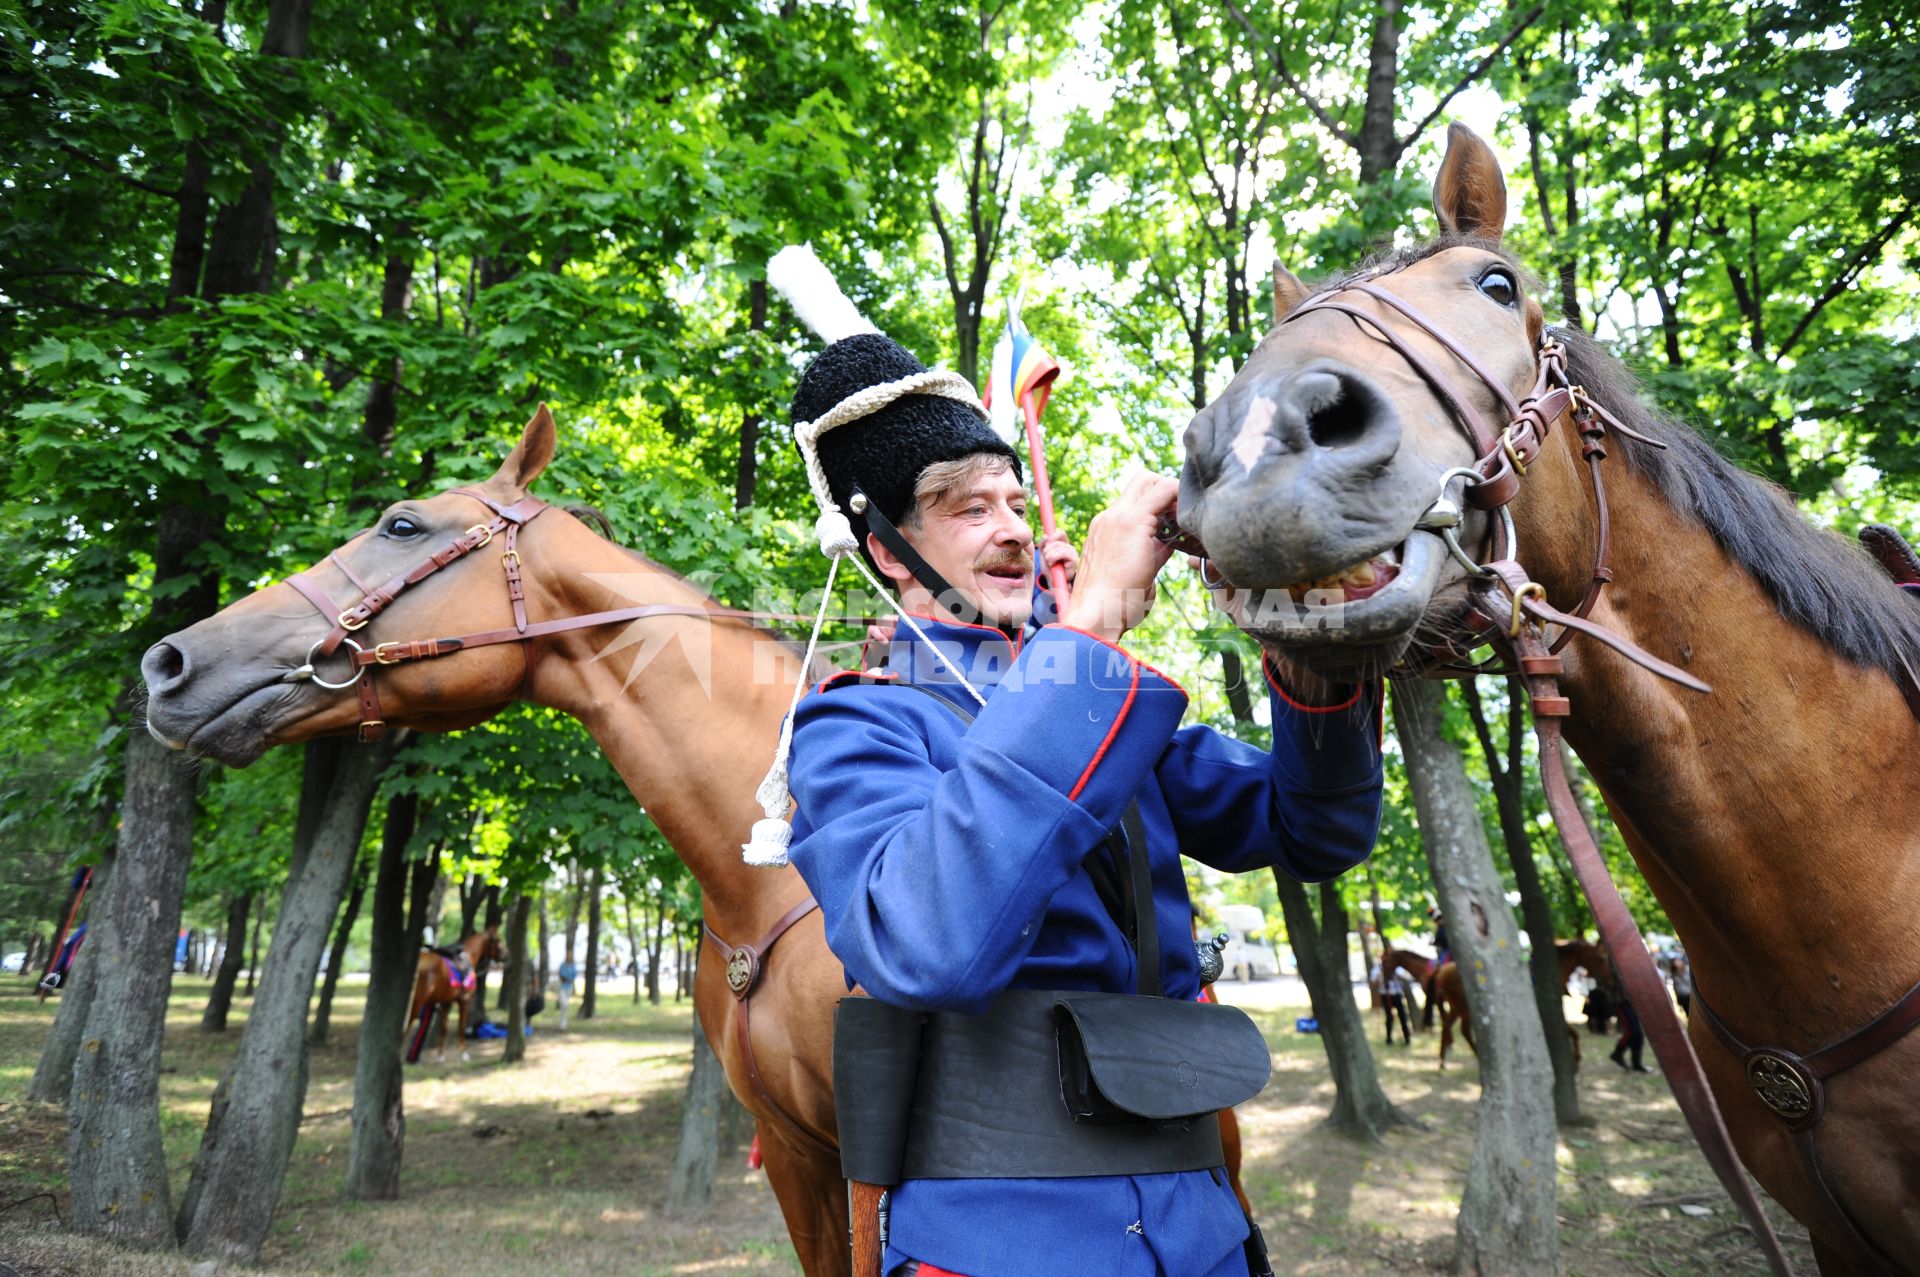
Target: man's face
976, 536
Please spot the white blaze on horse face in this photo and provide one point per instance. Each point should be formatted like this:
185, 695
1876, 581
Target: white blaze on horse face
1252, 439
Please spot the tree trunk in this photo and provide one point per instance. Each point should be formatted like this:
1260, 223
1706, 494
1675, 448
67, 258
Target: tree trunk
540, 973
633, 947
253, 961
1506, 1222
336, 958
514, 979
653, 954
379, 1121
250, 1133
116, 1162
1360, 1107
593, 944
697, 1159
1543, 962
1379, 150
576, 891
484, 967
220, 1000
53, 1075
746, 467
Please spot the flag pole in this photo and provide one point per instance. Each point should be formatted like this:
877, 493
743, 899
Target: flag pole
1043, 493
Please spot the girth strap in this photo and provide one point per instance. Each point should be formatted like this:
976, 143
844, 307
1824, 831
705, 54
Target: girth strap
744, 964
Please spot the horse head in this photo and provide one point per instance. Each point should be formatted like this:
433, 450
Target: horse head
262, 672
1327, 479
492, 947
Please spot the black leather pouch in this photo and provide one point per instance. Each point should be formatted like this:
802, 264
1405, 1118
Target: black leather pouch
1131, 1060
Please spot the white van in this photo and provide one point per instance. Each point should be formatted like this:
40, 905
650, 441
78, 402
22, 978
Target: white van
1248, 955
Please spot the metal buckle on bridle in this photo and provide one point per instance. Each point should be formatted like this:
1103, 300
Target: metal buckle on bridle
380, 653
1531, 590
347, 621
486, 534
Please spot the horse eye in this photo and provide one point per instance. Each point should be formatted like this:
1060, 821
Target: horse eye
1499, 285
401, 527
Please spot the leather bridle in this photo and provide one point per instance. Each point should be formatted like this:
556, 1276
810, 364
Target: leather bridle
1511, 610
506, 522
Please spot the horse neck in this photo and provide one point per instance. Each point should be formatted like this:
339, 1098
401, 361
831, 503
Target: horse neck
473, 946
686, 708
1771, 816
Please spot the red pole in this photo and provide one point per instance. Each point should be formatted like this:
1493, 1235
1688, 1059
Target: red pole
1043, 493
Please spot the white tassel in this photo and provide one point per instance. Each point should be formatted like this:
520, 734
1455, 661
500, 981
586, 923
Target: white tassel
797, 275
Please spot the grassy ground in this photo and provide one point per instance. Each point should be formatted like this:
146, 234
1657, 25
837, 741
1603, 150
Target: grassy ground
557, 1168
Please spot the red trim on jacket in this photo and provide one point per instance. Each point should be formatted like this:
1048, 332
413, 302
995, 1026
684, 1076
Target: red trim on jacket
965, 625
1132, 688
1267, 672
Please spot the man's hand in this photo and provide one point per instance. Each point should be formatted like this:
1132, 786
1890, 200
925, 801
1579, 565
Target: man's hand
1055, 548
1114, 588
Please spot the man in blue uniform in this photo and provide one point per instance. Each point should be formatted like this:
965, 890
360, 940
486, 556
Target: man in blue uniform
961, 837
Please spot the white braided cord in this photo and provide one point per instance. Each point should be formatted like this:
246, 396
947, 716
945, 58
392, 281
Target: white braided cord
862, 403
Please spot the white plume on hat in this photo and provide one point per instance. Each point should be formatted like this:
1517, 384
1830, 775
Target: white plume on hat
798, 276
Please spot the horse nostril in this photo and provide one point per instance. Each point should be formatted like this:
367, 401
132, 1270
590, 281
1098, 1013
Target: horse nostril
164, 667
1338, 412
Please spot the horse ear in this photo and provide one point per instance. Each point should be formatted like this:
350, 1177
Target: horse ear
530, 456
1469, 194
1288, 292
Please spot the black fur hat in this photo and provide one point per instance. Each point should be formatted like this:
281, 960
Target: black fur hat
884, 452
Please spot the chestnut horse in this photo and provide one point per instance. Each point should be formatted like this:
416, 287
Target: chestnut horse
1777, 814
434, 986
1449, 991
687, 706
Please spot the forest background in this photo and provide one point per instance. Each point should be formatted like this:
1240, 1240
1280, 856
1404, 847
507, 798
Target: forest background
265, 268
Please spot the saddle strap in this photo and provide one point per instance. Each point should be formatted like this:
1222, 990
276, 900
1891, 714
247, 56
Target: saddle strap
1629, 953
1791, 1086
744, 963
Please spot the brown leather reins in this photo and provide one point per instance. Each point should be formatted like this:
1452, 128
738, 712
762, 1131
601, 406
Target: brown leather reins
1511, 610
506, 522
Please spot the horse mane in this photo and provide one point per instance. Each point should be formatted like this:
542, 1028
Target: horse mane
1817, 579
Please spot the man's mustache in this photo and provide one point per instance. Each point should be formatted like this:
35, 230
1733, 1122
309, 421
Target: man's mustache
1005, 563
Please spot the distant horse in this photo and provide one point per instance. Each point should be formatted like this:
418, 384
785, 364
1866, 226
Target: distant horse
442, 979
1449, 995
1777, 815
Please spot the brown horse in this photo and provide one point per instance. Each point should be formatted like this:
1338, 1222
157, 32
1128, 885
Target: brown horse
435, 986
1778, 814
687, 706
1448, 996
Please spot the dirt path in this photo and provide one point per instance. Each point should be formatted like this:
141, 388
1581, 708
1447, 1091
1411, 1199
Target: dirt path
557, 1168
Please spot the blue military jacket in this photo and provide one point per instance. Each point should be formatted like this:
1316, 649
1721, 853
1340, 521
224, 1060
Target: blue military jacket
947, 862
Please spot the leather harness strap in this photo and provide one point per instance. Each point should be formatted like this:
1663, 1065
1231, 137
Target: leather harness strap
1791, 1085
347, 621
1628, 951
744, 965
